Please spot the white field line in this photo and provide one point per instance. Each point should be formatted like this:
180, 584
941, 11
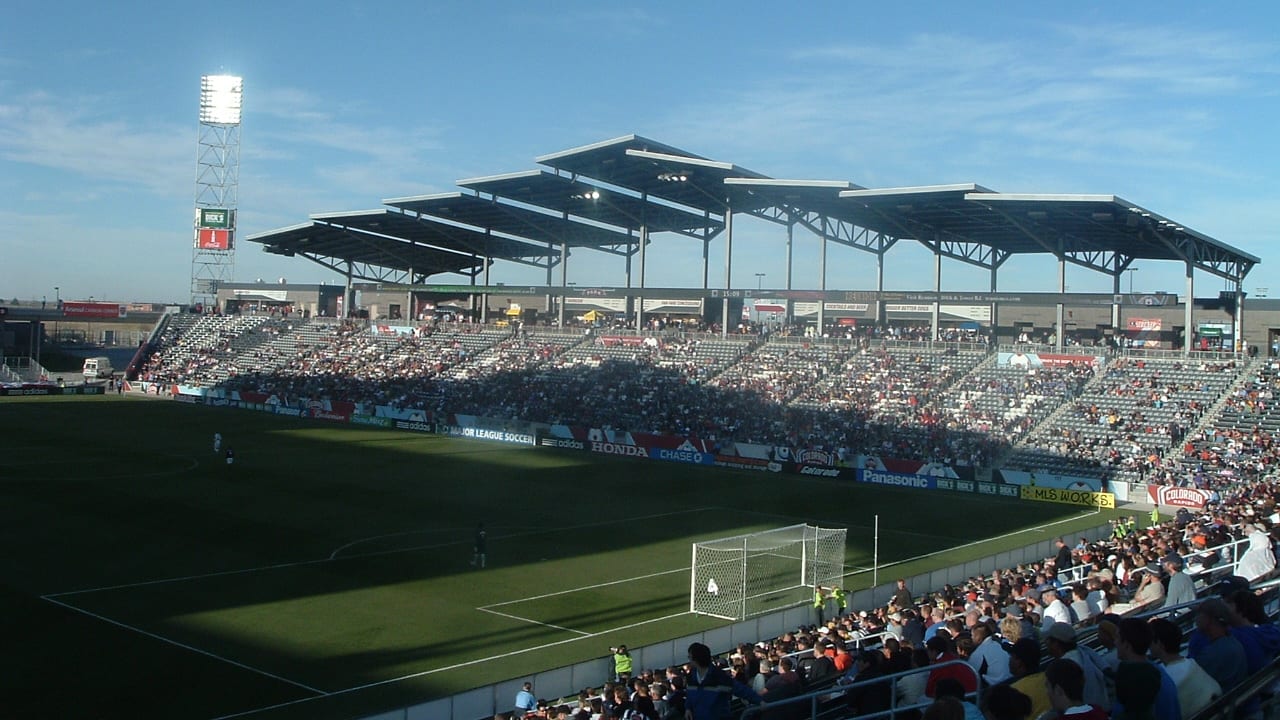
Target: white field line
468, 663
334, 555
585, 587
184, 646
535, 622
302, 563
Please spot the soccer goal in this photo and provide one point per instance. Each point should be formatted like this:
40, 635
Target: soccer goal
740, 577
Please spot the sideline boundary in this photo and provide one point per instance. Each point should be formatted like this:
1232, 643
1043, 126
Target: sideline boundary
185, 646
456, 666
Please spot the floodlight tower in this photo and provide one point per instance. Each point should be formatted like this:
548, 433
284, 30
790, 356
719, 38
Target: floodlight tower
213, 257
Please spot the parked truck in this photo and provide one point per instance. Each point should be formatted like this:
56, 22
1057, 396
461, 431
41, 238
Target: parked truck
97, 368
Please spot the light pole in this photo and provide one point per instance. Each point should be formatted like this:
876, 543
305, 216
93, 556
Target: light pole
1131, 271
57, 302
759, 280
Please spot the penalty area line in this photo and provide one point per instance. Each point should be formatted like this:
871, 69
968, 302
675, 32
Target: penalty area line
534, 622
184, 646
585, 587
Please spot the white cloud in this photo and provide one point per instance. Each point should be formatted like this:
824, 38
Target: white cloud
41, 130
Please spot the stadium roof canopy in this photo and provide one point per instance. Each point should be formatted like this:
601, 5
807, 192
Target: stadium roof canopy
510, 220
374, 242
611, 195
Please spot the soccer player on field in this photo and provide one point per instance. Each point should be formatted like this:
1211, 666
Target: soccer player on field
478, 548
217, 442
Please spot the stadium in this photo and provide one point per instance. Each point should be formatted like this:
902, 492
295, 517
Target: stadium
650, 466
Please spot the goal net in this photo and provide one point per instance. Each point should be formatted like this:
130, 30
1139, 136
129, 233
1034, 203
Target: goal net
739, 577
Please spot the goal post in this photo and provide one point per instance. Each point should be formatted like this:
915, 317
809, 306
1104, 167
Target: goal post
738, 577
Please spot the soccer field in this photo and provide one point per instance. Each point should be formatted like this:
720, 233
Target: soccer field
326, 573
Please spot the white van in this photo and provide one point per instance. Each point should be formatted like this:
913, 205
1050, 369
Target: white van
97, 368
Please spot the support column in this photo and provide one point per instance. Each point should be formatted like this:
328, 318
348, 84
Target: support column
995, 310
936, 309
1239, 319
728, 268
564, 280
706, 249
484, 297
822, 283
630, 253
546, 299
879, 313
788, 315
1058, 315
1115, 306
644, 241
348, 297
1188, 318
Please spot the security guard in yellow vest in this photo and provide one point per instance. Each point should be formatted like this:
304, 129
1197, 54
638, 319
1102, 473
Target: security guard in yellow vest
840, 600
818, 600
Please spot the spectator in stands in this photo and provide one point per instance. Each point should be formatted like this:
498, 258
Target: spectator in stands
911, 688
1062, 562
1259, 560
912, 628
1196, 688
1002, 702
1061, 642
1025, 675
621, 708
1133, 681
675, 697
526, 702
901, 596
1255, 631
1055, 611
710, 688
1222, 656
1150, 590
786, 683
941, 652
1065, 681
1139, 689
1080, 603
951, 688
945, 708
642, 705
1181, 589
989, 658
822, 671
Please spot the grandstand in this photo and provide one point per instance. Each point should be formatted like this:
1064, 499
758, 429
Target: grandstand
910, 404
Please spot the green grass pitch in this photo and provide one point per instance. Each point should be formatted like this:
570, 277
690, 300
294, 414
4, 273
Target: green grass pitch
326, 572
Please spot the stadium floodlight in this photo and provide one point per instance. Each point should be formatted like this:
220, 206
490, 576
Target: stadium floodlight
220, 99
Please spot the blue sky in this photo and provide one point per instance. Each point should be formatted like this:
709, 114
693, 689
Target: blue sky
1172, 106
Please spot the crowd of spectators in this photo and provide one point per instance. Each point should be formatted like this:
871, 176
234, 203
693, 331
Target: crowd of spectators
1014, 628
940, 404
928, 404
1125, 423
